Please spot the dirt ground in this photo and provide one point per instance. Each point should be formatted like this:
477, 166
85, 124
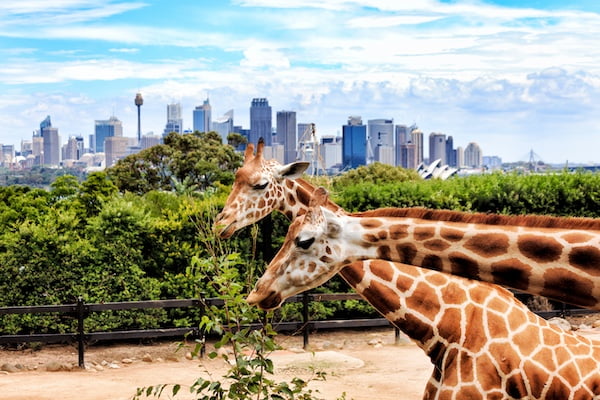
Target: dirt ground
361, 364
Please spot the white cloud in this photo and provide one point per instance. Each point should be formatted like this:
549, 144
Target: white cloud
465, 68
389, 21
124, 50
261, 57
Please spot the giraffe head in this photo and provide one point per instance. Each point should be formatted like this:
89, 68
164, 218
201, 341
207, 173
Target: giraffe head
258, 189
307, 259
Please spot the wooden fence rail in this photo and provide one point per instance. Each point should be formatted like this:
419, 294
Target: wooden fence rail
81, 310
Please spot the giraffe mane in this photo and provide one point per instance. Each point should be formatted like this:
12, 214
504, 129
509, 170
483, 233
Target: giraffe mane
533, 221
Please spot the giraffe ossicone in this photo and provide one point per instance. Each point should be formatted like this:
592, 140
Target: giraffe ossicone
482, 341
553, 257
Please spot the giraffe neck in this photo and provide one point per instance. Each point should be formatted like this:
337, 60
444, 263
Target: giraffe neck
540, 261
416, 301
295, 198
403, 296
482, 341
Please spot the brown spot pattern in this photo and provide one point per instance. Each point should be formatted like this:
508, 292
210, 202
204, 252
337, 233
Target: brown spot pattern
539, 248
384, 253
586, 258
434, 262
406, 253
488, 244
538, 378
577, 237
454, 294
463, 265
423, 233
436, 245
564, 285
304, 197
353, 273
370, 223
558, 390
511, 272
424, 300
452, 235
486, 380
450, 322
475, 338
382, 270
370, 238
384, 299
398, 231
515, 387
291, 199
437, 279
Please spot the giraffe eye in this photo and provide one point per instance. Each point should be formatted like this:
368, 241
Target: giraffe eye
260, 186
304, 244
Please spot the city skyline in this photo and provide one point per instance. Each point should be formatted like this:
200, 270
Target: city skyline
511, 76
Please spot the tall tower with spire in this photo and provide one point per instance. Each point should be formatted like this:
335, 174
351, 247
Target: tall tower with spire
138, 102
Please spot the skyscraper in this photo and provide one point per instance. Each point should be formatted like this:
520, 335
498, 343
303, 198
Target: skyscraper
354, 143
139, 101
416, 137
104, 129
115, 149
174, 120
286, 134
51, 143
402, 138
450, 152
73, 150
381, 141
473, 155
224, 125
202, 117
261, 125
437, 147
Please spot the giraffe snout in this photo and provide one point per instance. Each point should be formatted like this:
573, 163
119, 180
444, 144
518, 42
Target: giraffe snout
224, 225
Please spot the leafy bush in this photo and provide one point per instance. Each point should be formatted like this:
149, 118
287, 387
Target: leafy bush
85, 239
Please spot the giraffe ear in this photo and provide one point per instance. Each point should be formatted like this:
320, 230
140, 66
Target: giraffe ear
292, 170
333, 225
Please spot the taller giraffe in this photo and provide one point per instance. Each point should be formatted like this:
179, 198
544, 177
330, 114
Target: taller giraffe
557, 258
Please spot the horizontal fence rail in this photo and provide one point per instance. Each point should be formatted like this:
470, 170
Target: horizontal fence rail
81, 310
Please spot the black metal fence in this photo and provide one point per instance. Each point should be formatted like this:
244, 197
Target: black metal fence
81, 311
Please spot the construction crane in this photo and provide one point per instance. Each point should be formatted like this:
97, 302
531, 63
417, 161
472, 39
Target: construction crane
309, 150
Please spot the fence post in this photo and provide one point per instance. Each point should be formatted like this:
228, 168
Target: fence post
202, 330
80, 331
305, 327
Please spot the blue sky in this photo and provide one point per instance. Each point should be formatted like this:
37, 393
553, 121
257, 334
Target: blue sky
510, 75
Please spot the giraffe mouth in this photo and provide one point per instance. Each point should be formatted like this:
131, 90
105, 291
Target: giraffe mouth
269, 302
225, 232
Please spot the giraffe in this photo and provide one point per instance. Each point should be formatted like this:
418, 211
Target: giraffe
482, 341
553, 257
262, 186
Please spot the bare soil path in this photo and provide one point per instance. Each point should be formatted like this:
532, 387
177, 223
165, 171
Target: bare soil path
361, 364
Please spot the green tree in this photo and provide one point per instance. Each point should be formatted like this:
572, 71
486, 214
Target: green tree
199, 159
376, 173
96, 189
